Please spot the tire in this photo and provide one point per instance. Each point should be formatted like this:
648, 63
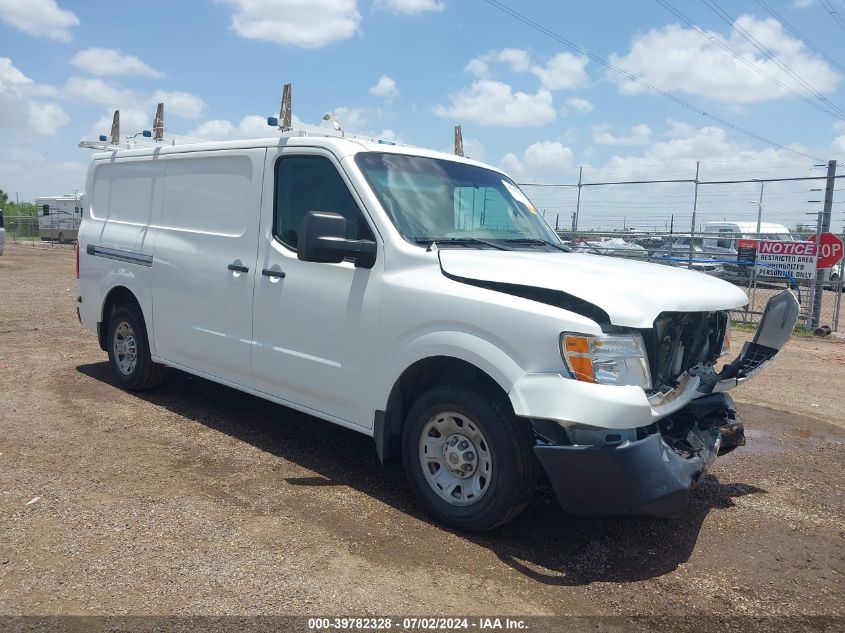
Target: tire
499, 482
129, 350
61, 238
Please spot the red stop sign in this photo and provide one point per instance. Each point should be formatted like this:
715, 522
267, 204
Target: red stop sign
830, 250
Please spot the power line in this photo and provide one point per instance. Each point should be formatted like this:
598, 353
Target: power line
837, 18
551, 34
777, 16
753, 66
725, 17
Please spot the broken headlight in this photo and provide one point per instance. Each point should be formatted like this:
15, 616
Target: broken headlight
609, 359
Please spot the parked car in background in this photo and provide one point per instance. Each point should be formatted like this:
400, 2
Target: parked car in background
617, 247
707, 256
2, 234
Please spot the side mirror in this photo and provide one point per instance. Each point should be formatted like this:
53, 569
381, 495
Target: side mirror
322, 238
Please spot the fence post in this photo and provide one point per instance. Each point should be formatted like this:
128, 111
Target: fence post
692, 227
577, 200
822, 227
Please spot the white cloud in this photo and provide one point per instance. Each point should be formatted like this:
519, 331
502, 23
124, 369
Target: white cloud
411, 7
564, 71
677, 59
839, 126
385, 88
46, 118
477, 67
540, 156
42, 18
99, 91
131, 122
351, 119
839, 143
517, 59
109, 62
251, 126
638, 135
493, 103
20, 113
473, 148
803, 4
312, 24
182, 104
583, 106
176, 102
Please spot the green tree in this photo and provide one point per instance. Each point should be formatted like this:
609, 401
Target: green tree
4, 198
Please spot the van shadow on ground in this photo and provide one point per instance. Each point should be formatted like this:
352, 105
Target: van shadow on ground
544, 543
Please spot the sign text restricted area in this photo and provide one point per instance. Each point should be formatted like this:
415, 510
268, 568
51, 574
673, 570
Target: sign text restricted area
773, 258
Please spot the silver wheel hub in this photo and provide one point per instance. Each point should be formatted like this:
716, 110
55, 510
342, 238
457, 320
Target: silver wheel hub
455, 458
125, 347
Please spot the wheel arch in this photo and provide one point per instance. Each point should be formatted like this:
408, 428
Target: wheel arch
117, 296
415, 380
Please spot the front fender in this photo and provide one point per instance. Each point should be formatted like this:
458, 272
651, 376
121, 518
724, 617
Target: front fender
464, 346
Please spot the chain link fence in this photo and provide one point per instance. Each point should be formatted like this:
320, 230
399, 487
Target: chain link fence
701, 252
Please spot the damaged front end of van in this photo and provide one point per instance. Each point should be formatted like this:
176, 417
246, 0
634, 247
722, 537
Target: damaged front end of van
639, 467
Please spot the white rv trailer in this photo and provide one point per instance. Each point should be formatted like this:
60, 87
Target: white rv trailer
59, 217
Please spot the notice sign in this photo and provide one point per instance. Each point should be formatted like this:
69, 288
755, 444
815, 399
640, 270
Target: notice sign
772, 256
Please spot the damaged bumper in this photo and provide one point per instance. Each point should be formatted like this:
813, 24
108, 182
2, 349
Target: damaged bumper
650, 476
651, 472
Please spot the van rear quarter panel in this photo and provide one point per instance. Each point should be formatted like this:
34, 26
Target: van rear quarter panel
124, 202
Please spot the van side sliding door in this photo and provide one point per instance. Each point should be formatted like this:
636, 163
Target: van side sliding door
205, 258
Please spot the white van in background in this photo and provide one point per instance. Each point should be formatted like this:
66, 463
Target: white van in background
725, 234
419, 298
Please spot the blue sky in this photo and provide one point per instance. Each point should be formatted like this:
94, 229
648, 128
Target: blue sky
412, 69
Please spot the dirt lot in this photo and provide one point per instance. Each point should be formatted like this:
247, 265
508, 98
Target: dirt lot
198, 499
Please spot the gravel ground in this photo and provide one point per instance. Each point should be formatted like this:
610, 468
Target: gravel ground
198, 499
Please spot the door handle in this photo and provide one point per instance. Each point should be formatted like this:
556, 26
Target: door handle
238, 268
273, 273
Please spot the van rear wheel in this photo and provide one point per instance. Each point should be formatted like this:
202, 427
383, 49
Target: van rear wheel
467, 457
129, 350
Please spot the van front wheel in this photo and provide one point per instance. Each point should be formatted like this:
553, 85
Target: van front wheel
467, 457
129, 350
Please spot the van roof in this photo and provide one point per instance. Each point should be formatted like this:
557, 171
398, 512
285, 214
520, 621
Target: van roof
750, 226
341, 147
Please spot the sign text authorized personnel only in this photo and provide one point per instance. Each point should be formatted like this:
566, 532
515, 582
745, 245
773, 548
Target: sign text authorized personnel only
773, 258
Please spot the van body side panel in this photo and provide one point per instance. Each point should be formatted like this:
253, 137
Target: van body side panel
316, 329
123, 209
203, 309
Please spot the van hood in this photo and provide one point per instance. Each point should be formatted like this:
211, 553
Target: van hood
631, 293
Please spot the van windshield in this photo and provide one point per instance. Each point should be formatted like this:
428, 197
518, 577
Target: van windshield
433, 200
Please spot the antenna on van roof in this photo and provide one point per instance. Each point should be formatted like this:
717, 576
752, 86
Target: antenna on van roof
459, 141
115, 128
158, 124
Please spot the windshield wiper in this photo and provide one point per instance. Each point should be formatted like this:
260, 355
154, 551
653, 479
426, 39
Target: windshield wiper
459, 241
537, 241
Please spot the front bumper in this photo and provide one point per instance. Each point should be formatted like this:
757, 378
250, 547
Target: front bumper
646, 476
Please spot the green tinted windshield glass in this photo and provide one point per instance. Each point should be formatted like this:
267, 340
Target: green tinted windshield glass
429, 198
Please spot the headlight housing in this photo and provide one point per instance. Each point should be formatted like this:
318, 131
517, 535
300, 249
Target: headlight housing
609, 359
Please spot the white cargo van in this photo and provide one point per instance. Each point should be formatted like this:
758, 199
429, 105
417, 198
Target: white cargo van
725, 234
419, 298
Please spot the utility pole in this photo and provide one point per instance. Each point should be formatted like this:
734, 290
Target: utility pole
694, 207
823, 226
578, 200
760, 210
